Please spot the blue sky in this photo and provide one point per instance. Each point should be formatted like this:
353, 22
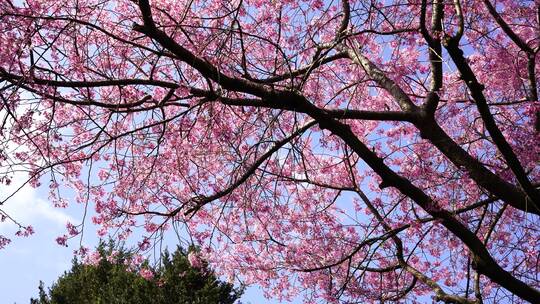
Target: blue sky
26, 261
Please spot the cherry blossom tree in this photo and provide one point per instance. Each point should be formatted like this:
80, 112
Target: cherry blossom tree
349, 151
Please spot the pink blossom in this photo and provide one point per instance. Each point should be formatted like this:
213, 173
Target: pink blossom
195, 260
146, 273
301, 144
93, 258
62, 240
25, 231
72, 229
144, 245
4, 241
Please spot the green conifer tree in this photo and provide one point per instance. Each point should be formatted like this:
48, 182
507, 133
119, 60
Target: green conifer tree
111, 282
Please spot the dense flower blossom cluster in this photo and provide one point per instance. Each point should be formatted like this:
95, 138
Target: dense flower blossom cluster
352, 150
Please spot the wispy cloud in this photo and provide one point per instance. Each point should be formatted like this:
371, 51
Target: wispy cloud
28, 208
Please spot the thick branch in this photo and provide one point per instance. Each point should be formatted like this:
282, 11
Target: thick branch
430, 130
205, 68
380, 78
486, 264
476, 90
506, 28
435, 53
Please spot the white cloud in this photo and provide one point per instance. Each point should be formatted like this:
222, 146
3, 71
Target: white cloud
28, 208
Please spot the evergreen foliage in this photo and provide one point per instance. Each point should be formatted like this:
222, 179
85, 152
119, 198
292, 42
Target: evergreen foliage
111, 281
